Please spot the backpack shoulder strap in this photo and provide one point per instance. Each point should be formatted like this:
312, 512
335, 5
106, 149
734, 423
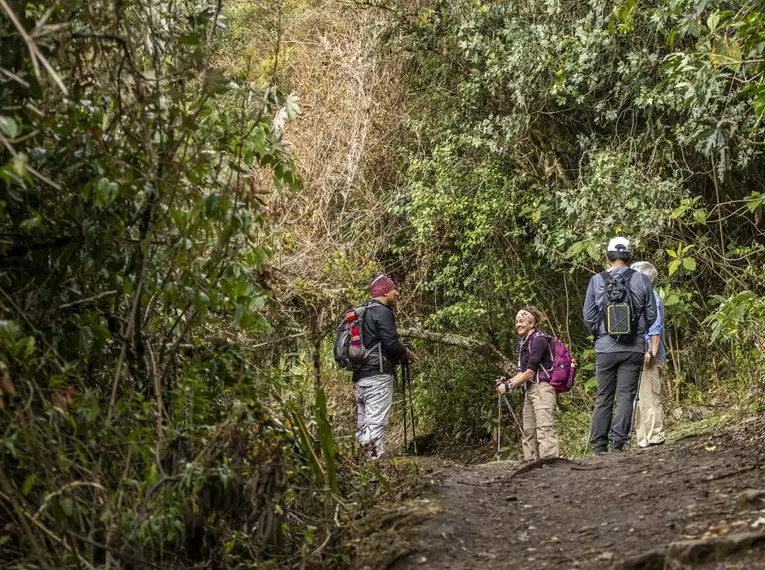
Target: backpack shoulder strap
539, 333
550, 342
550, 347
628, 273
366, 308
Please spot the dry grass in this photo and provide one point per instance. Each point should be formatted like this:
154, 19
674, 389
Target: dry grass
345, 143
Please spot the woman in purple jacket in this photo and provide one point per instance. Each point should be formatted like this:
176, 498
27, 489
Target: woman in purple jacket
541, 399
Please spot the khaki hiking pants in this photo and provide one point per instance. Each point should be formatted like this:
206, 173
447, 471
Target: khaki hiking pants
649, 416
539, 421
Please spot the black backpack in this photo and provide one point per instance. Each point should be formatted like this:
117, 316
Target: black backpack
617, 312
349, 350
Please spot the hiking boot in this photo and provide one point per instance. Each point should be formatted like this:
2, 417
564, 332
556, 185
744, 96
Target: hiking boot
616, 448
597, 452
622, 449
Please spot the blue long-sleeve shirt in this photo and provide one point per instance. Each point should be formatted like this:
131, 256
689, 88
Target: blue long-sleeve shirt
657, 328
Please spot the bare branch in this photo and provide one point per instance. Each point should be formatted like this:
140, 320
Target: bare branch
504, 363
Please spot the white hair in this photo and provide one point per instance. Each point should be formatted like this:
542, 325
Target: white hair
647, 269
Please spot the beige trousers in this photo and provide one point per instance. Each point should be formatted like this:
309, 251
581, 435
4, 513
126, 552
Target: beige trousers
539, 421
649, 415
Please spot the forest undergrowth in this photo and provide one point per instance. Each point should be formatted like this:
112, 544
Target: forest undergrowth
191, 194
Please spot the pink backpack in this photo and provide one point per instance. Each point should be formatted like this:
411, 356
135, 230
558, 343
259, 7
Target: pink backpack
561, 376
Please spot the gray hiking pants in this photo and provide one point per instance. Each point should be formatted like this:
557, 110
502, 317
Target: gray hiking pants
617, 374
374, 396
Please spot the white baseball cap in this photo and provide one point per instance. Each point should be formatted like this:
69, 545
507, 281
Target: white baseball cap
619, 244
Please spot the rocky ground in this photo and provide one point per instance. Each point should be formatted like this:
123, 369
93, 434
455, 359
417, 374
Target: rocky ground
698, 502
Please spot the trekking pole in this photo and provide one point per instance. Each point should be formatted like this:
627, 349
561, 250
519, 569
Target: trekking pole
499, 425
403, 390
408, 378
587, 443
520, 429
635, 401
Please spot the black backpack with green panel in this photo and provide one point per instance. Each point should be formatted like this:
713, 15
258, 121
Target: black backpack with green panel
617, 313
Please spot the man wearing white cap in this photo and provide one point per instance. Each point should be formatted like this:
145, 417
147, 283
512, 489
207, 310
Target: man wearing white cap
618, 309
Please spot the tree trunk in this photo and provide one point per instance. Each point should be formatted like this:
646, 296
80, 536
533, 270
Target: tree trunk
504, 363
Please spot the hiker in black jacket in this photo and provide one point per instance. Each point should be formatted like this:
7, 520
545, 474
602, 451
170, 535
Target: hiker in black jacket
374, 382
618, 358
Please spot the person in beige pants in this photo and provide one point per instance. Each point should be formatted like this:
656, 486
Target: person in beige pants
649, 415
539, 429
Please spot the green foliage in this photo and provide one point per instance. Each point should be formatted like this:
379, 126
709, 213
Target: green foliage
540, 130
137, 426
159, 402
739, 315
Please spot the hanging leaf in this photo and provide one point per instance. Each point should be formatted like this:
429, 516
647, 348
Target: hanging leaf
9, 127
67, 505
754, 201
29, 482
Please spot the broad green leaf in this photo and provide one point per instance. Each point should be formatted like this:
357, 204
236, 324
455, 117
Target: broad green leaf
30, 224
576, 248
29, 346
672, 299
212, 204
29, 482
67, 505
9, 127
678, 212
105, 193
754, 201
594, 251
689, 263
214, 81
712, 21
674, 266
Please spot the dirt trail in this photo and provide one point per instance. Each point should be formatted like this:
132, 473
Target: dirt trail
603, 512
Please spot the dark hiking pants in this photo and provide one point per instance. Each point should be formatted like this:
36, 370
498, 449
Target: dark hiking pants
617, 374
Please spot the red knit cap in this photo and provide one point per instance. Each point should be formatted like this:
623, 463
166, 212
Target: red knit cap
381, 285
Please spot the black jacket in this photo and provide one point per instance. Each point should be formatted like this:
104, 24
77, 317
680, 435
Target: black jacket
379, 334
